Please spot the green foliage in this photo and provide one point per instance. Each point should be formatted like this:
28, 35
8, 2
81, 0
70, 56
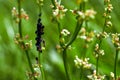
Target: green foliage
13, 62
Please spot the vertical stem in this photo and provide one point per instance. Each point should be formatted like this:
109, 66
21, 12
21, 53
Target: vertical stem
77, 29
20, 32
40, 66
115, 63
97, 64
53, 2
58, 23
65, 63
81, 72
20, 20
30, 64
97, 61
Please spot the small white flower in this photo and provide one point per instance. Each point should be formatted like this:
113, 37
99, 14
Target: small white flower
56, 12
81, 14
83, 37
90, 13
82, 62
96, 77
59, 10
101, 52
65, 32
112, 74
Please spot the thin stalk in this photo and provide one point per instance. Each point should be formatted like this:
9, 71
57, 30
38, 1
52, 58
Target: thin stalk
65, 63
97, 60
115, 63
81, 72
77, 29
20, 20
40, 66
58, 23
20, 32
83, 6
64, 54
97, 65
53, 2
39, 53
30, 64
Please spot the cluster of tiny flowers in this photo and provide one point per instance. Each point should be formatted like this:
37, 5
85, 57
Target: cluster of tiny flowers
102, 35
88, 14
58, 10
16, 15
19, 41
82, 62
36, 74
94, 76
28, 45
108, 10
116, 40
39, 32
40, 2
98, 51
65, 32
87, 36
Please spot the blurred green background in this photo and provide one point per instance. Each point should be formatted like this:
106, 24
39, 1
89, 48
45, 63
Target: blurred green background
13, 62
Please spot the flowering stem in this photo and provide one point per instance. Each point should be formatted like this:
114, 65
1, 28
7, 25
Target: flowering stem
81, 72
30, 64
65, 63
97, 64
69, 43
59, 28
23, 44
53, 2
20, 20
77, 29
64, 54
40, 66
97, 60
115, 63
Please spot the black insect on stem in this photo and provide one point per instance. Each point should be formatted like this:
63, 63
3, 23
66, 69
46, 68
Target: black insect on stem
39, 32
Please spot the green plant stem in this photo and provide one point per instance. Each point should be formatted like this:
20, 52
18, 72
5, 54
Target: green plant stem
20, 20
20, 32
53, 2
41, 67
81, 72
97, 65
65, 63
97, 60
115, 63
30, 64
77, 29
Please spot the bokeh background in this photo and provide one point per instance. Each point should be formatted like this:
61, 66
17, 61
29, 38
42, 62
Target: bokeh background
13, 62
